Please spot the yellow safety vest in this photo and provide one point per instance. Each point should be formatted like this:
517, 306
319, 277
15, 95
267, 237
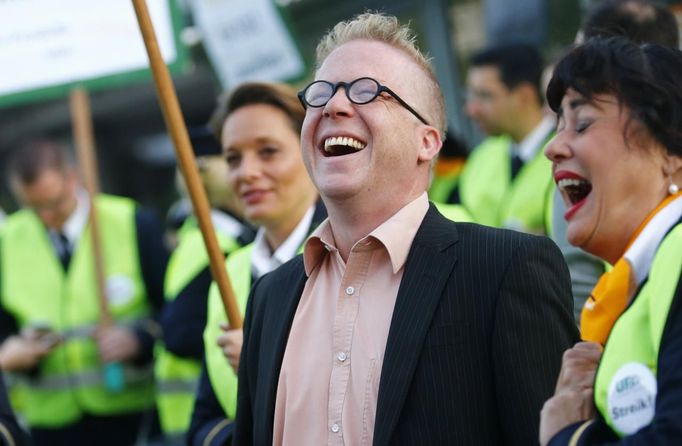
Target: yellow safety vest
492, 199
36, 290
626, 385
177, 378
223, 379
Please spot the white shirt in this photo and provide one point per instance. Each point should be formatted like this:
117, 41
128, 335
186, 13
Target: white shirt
226, 224
75, 224
263, 260
534, 141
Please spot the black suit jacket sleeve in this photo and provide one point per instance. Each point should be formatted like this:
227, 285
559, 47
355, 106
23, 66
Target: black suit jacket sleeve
183, 320
10, 432
153, 255
533, 325
208, 417
153, 260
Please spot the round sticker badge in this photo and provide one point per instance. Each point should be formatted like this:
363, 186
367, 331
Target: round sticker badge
120, 289
632, 397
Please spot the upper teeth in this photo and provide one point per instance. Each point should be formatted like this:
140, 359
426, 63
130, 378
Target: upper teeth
343, 141
566, 182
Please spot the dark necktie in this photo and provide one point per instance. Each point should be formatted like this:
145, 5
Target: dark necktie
516, 164
64, 250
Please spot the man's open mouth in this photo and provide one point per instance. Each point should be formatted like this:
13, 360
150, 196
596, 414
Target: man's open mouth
341, 145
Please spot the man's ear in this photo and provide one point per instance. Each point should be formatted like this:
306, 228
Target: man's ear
430, 144
71, 176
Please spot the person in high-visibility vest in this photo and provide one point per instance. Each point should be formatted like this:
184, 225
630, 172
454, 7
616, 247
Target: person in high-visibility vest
178, 358
11, 434
444, 187
506, 181
642, 21
617, 161
84, 383
260, 129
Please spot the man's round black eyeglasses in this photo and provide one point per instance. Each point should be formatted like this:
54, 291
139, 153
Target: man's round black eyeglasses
360, 91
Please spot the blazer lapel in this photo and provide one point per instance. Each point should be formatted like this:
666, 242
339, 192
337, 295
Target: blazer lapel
427, 270
276, 326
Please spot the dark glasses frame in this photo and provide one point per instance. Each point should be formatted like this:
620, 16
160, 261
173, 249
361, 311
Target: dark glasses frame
348, 86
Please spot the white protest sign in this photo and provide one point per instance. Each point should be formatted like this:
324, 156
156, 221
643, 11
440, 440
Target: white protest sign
247, 40
44, 43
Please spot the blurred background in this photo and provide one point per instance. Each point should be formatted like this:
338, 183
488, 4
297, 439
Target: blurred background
213, 51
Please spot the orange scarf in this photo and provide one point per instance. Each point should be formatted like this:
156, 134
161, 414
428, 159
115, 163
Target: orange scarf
612, 294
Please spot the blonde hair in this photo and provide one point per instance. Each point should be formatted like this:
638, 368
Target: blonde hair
387, 29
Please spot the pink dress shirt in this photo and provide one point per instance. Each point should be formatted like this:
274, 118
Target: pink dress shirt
329, 382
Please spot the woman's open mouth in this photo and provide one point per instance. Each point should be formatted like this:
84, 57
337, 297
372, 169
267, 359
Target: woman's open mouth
574, 189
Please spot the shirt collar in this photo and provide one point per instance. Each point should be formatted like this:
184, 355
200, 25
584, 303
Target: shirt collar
226, 224
534, 141
396, 235
642, 251
74, 225
263, 260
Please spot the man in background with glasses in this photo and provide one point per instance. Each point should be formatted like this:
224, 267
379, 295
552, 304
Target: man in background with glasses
396, 326
50, 336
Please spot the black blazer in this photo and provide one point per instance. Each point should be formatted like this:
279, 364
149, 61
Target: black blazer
480, 323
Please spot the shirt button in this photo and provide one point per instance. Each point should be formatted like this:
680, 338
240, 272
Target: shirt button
342, 356
335, 428
350, 290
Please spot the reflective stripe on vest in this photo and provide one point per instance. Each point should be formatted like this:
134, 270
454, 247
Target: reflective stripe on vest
492, 199
178, 378
625, 386
36, 290
222, 377
87, 378
172, 386
87, 331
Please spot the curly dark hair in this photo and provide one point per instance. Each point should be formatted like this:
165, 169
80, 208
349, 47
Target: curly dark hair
645, 79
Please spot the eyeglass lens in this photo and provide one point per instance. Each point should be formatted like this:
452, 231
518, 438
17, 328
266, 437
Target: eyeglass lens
360, 91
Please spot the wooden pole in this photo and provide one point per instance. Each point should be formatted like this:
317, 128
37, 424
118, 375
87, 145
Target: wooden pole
84, 136
176, 126
81, 119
